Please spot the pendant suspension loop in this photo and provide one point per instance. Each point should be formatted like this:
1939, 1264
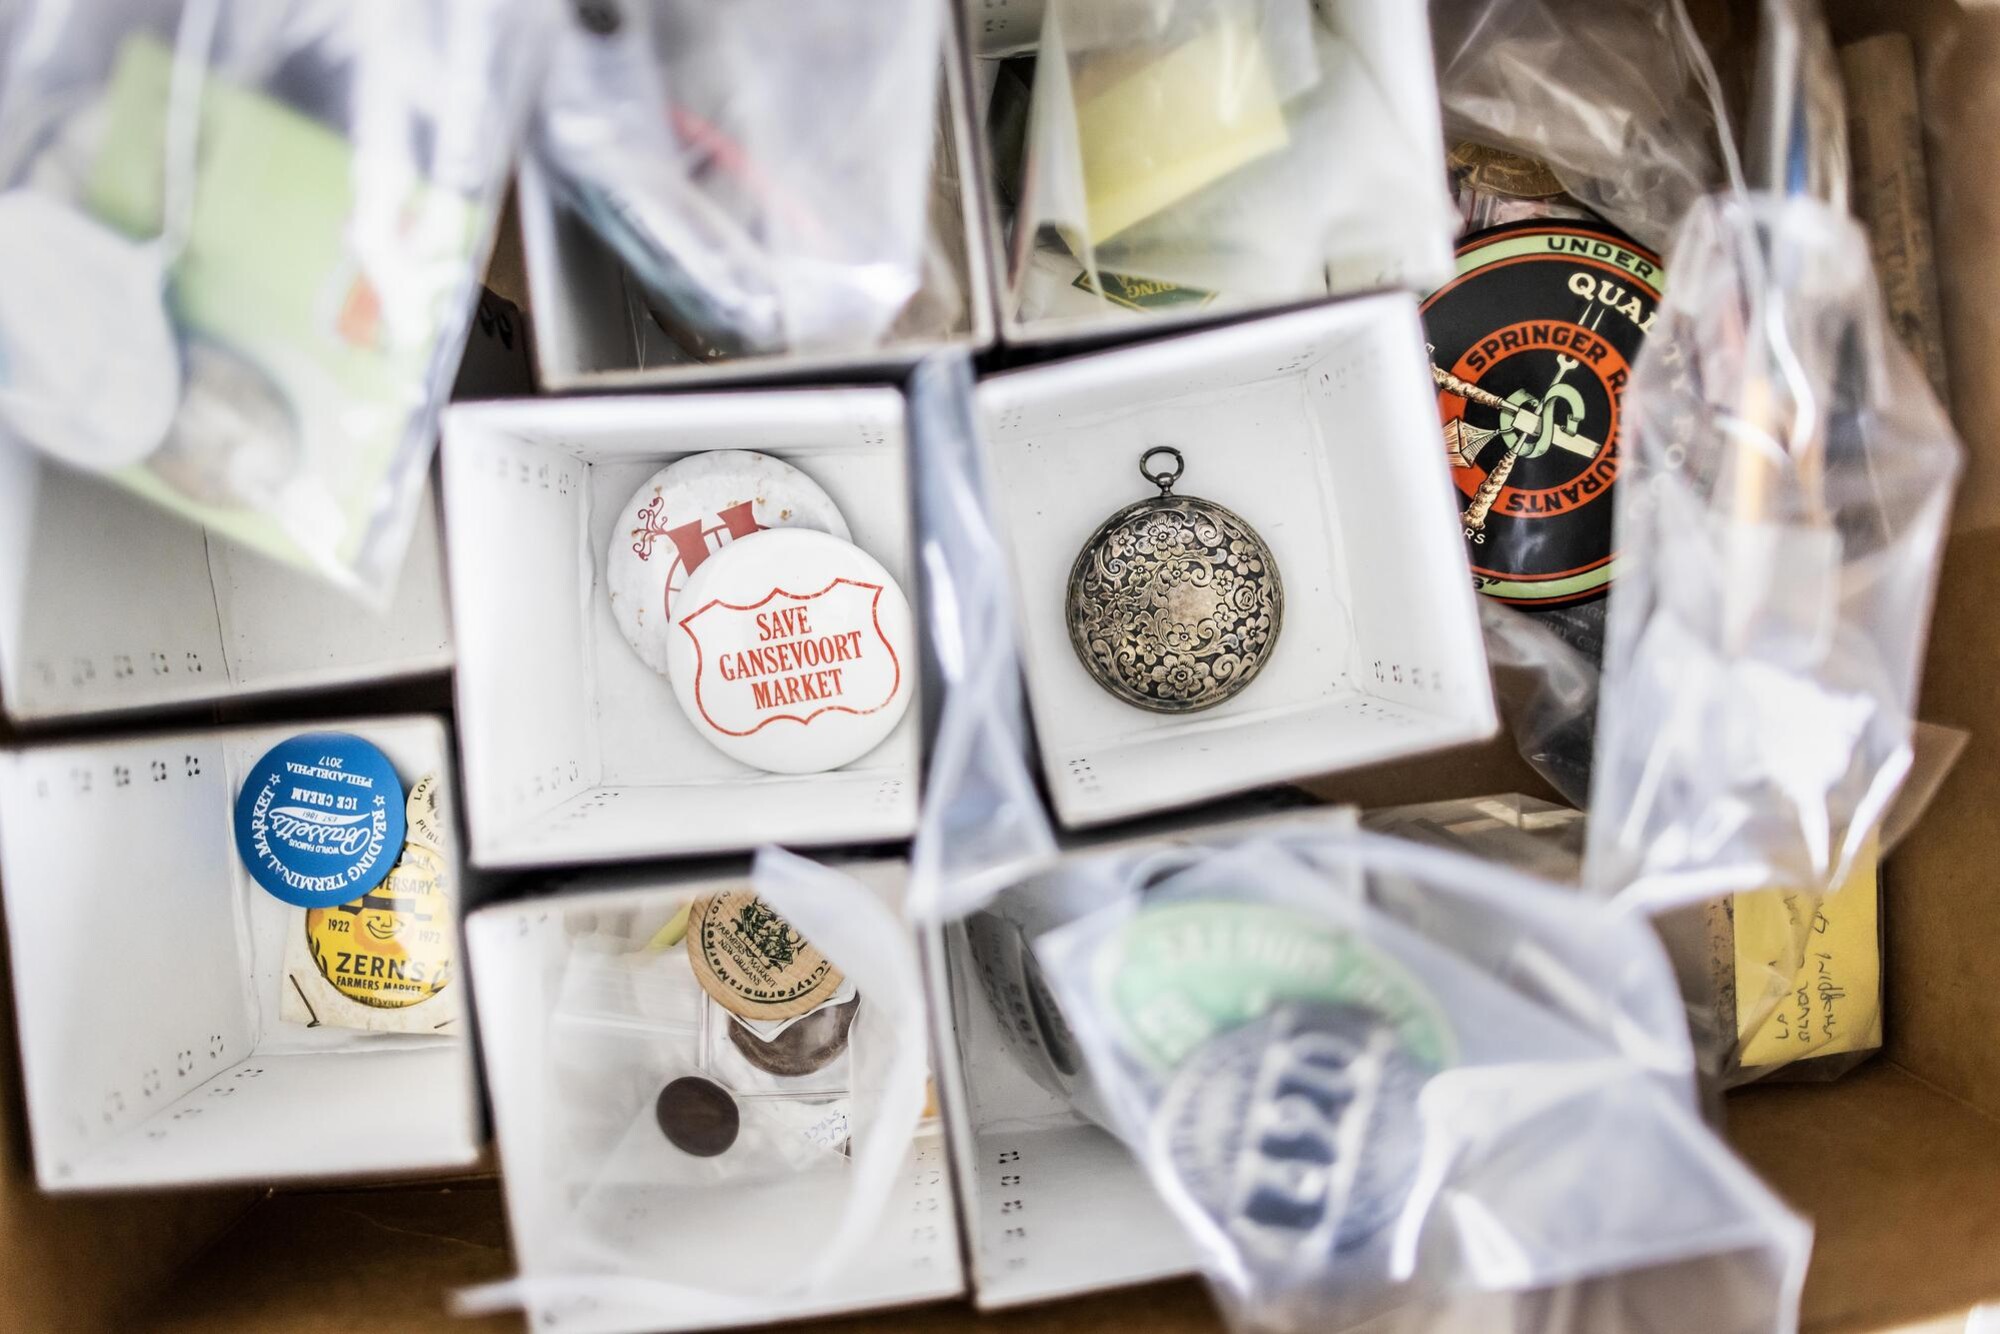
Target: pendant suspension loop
1163, 479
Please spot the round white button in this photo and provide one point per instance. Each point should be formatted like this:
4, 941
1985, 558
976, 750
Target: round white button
685, 512
793, 651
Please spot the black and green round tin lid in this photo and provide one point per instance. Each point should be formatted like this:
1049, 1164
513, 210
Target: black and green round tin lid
1532, 347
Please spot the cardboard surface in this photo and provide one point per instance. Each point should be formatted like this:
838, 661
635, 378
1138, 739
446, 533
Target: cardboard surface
345, 1260
1898, 1165
69, 1262
1903, 1184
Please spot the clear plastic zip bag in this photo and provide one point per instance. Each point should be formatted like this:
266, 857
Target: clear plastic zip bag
1780, 984
762, 169
1392, 1088
982, 824
1789, 477
243, 244
1617, 97
644, 1143
1240, 151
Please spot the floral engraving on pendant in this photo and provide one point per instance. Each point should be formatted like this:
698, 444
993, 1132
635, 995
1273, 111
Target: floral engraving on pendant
1174, 604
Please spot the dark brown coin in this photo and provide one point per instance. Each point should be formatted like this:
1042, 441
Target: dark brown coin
806, 1046
697, 1117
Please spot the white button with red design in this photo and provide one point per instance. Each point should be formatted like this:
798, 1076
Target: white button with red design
793, 651
683, 514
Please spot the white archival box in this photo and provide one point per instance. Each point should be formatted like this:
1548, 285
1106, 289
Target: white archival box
110, 603
517, 951
591, 333
574, 749
147, 966
1320, 429
1054, 1205
1389, 94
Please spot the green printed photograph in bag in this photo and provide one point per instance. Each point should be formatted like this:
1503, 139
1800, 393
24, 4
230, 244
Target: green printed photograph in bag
310, 316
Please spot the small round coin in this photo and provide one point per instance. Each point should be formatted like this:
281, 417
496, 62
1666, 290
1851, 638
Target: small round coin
697, 1116
810, 1044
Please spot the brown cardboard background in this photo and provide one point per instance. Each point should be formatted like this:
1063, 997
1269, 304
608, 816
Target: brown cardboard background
85, 1263
1899, 1165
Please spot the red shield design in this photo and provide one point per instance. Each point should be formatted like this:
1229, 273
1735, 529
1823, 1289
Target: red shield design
792, 657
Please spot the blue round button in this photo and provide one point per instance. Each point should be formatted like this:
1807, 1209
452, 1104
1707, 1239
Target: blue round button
320, 819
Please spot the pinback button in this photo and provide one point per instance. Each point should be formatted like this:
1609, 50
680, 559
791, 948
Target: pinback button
90, 372
684, 513
1257, 1121
320, 819
793, 651
425, 818
697, 1116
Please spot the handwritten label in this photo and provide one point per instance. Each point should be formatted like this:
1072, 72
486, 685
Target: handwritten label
1809, 971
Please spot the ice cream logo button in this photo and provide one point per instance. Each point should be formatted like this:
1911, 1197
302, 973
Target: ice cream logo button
795, 651
319, 818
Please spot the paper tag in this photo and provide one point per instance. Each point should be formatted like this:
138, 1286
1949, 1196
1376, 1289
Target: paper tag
1190, 118
1834, 1001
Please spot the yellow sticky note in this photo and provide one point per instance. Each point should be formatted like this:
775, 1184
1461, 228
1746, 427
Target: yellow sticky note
1833, 1002
1174, 125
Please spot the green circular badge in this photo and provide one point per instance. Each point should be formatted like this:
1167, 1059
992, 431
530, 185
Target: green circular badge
1180, 973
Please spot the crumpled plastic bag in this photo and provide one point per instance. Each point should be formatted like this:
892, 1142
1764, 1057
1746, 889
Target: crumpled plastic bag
762, 168
1382, 1083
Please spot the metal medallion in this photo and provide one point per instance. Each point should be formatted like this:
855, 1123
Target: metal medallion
1175, 602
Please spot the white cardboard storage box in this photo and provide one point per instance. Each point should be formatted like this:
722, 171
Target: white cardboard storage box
1388, 96
591, 332
575, 750
1898, 1164
147, 966
718, 1254
1318, 429
1054, 1205
108, 603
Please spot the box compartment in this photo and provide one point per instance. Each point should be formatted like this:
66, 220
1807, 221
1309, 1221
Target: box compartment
1388, 95
147, 965
518, 954
108, 604
592, 332
1318, 429
575, 750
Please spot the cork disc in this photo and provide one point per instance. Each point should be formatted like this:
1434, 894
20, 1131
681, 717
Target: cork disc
751, 960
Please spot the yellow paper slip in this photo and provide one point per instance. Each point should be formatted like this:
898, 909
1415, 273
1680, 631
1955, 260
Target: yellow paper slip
1834, 1001
1189, 118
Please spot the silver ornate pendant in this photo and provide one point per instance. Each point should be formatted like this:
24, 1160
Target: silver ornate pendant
1175, 602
